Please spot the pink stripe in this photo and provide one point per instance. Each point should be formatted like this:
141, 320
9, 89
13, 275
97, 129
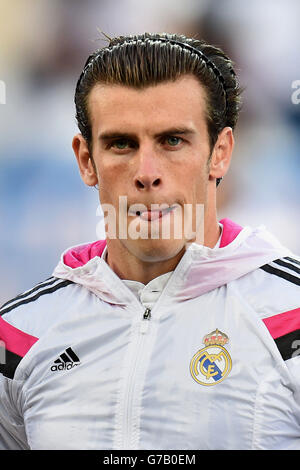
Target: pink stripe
283, 323
80, 255
230, 231
14, 339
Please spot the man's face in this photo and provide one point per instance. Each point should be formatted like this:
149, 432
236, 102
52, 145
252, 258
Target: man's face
151, 147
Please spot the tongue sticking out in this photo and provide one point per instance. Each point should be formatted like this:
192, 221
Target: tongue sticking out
150, 215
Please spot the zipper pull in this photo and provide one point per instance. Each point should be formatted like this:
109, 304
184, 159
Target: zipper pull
145, 320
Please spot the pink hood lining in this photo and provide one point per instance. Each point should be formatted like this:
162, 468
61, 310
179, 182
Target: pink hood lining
79, 255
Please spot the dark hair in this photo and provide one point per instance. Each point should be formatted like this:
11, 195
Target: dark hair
148, 59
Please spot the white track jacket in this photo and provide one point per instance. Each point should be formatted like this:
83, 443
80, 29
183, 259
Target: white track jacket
215, 364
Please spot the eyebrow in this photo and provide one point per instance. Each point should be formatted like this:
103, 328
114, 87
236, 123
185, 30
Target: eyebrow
110, 135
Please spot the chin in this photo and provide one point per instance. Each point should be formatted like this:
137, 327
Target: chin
154, 251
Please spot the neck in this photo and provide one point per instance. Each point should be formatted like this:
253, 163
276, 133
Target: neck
130, 267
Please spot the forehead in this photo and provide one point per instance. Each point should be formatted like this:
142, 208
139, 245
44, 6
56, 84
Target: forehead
180, 102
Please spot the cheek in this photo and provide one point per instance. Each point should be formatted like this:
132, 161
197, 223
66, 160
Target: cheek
108, 185
195, 179
110, 179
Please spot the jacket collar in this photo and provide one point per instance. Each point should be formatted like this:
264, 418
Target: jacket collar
200, 270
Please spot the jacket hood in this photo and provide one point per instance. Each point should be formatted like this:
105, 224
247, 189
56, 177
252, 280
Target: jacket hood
201, 269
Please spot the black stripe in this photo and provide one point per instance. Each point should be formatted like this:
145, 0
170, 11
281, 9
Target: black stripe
58, 361
35, 297
289, 344
26, 294
65, 358
287, 265
293, 260
72, 355
12, 361
283, 274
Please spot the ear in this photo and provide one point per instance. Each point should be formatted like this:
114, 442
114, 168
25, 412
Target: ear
221, 155
84, 160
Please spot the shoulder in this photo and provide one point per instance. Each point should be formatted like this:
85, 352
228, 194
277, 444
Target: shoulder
43, 294
275, 284
273, 292
278, 282
286, 269
284, 326
25, 318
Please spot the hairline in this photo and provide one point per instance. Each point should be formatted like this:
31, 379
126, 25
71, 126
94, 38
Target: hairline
142, 87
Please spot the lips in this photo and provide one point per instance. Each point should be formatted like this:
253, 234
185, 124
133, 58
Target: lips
152, 213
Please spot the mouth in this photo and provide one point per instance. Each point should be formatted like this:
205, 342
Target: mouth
153, 213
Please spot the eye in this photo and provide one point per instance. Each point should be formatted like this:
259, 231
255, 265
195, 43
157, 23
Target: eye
120, 144
173, 141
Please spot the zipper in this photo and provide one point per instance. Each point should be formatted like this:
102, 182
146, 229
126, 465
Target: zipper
145, 321
130, 394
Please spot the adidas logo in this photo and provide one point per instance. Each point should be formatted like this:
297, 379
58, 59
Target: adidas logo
67, 360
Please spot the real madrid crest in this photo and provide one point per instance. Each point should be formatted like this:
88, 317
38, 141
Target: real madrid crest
212, 364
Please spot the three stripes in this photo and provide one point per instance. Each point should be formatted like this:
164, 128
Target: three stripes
287, 269
15, 343
48, 286
284, 268
67, 360
67, 356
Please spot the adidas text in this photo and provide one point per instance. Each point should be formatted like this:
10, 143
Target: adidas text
67, 366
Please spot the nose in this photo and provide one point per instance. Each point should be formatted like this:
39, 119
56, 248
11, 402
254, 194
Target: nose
148, 174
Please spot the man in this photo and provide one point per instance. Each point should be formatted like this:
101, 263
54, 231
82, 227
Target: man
145, 340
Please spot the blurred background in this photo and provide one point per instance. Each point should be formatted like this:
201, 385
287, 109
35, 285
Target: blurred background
44, 205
